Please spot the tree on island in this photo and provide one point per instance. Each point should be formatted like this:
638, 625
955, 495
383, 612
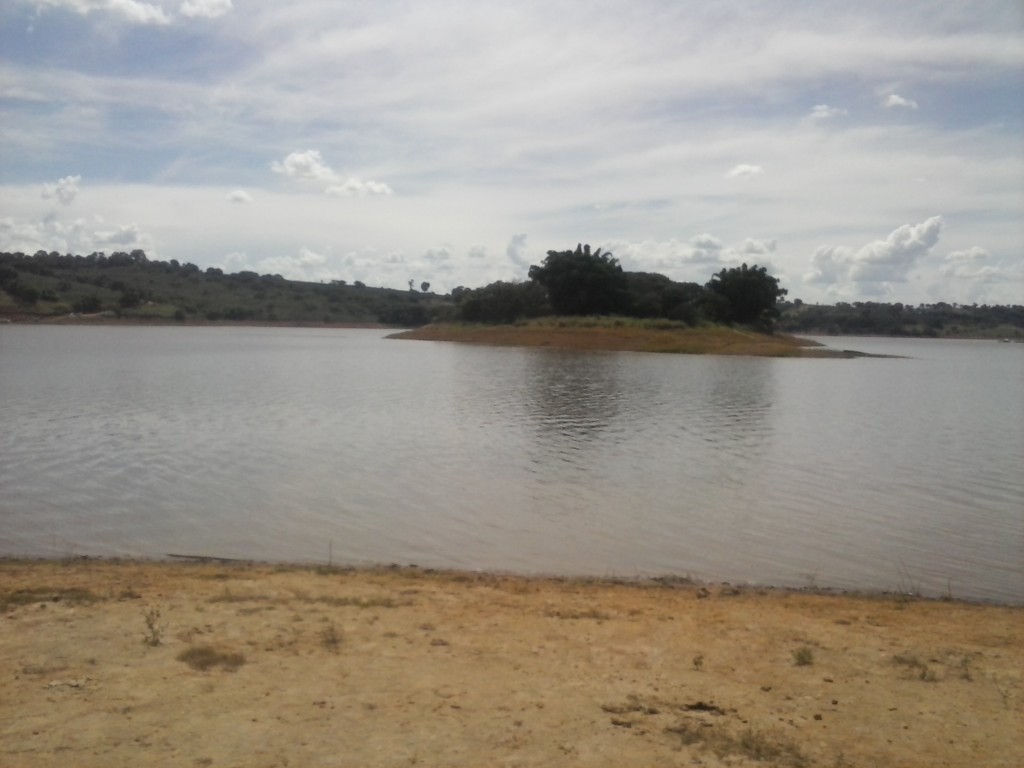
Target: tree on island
582, 283
744, 295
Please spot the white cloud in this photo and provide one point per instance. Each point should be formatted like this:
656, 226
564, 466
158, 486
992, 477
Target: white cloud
829, 265
825, 112
694, 260
80, 236
477, 252
974, 253
744, 171
355, 187
208, 9
966, 265
124, 236
129, 10
304, 165
895, 100
65, 189
306, 265
706, 249
879, 262
755, 247
891, 259
310, 165
239, 196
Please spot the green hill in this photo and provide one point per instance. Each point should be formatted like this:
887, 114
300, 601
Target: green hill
131, 287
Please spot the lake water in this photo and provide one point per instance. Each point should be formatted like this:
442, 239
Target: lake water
322, 444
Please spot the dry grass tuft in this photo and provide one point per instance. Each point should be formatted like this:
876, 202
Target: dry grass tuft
756, 745
32, 595
206, 657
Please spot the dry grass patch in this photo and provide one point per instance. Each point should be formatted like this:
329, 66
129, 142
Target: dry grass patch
590, 613
32, 595
206, 657
759, 746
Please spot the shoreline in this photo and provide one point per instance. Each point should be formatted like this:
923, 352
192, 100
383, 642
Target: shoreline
618, 335
639, 581
240, 664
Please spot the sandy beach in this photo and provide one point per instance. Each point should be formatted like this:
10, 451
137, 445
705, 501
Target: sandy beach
114, 663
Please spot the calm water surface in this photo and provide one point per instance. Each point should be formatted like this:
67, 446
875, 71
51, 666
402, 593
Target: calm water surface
309, 444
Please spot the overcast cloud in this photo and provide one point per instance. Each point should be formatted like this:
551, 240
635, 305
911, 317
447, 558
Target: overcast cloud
859, 150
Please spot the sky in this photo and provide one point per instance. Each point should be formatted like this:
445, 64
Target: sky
868, 151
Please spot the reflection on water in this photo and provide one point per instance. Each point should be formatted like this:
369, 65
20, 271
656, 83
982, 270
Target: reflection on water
572, 395
292, 443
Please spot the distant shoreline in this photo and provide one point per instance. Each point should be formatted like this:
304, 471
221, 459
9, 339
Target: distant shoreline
105, 319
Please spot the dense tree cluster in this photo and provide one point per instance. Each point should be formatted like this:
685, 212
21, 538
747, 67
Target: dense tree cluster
582, 282
746, 295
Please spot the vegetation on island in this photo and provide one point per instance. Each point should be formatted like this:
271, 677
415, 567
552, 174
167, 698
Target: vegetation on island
584, 283
130, 287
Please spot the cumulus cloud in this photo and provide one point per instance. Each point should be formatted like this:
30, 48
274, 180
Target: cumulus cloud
477, 252
516, 251
129, 10
895, 100
207, 9
744, 171
124, 235
971, 254
891, 259
879, 262
824, 112
65, 189
758, 247
304, 165
693, 260
828, 265
355, 187
306, 265
310, 165
79, 236
968, 265
240, 196
706, 249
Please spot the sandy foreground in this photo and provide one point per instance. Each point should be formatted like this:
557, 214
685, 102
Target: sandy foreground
106, 663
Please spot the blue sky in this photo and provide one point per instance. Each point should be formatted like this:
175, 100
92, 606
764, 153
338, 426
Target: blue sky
861, 151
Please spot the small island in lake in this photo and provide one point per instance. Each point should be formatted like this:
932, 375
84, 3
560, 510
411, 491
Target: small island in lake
625, 335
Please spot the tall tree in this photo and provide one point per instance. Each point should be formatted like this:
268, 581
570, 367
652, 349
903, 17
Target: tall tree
582, 283
746, 295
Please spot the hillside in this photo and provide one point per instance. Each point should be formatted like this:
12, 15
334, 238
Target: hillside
131, 288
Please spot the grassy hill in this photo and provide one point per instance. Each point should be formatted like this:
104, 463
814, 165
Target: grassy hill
130, 287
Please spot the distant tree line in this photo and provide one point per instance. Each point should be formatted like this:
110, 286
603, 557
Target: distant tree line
869, 318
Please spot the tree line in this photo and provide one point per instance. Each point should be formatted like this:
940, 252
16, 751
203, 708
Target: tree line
572, 282
870, 318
